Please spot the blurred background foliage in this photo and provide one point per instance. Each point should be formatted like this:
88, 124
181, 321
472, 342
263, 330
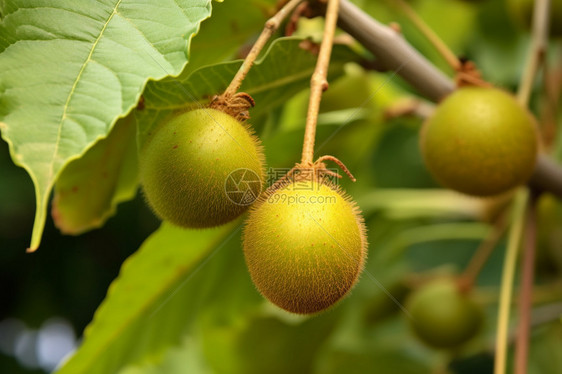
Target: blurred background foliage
184, 302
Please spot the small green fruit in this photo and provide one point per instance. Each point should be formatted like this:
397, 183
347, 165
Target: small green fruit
442, 317
480, 141
522, 13
195, 166
305, 246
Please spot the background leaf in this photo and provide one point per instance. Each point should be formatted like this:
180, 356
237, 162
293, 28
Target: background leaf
69, 69
89, 188
150, 305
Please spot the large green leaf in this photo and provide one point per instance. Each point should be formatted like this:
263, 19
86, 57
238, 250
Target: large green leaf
69, 69
89, 188
161, 289
271, 82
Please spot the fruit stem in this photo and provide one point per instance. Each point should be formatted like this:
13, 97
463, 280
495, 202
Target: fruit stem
526, 291
271, 25
482, 254
429, 34
319, 81
508, 274
539, 43
339, 163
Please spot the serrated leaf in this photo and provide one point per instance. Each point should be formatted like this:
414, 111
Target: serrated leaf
88, 190
69, 69
159, 291
271, 82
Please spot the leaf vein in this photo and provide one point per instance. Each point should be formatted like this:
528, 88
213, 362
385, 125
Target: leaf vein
73, 89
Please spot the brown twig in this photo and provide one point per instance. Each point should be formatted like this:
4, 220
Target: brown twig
337, 162
319, 82
551, 91
429, 34
271, 26
526, 289
539, 44
480, 257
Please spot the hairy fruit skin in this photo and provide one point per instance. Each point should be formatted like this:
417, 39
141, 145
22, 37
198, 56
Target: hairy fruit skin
305, 246
186, 162
442, 317
480, 141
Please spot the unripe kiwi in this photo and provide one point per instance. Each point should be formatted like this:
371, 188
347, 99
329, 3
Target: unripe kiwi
305, 246
480, 141
185, 165
442, 316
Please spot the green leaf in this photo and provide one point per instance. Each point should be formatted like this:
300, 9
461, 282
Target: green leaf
383, 360
69, 69
159, 291
271, 82
227, 34
185, 358
89, 188
412, 203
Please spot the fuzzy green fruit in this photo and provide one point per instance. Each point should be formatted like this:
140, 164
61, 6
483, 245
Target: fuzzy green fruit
480, 141
442, 317
305, 246
194, 163
522, 13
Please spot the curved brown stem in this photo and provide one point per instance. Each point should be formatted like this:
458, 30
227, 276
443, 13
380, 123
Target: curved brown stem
339, 163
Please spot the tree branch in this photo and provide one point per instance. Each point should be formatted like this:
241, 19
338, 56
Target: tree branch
396, 54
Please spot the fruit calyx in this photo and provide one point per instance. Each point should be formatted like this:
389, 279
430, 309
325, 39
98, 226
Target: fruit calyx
236, 105
309, 171
467, 74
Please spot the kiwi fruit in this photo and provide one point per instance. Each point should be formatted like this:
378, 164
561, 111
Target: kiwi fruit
442, 316
201, 168
305, 245
480, 141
